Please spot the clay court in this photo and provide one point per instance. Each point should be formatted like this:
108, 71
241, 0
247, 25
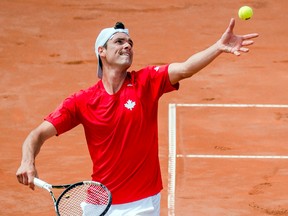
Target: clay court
223, 139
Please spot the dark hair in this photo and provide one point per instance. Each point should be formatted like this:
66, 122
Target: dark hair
119, 25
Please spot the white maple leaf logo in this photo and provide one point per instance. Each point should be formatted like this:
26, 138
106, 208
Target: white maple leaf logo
130, 104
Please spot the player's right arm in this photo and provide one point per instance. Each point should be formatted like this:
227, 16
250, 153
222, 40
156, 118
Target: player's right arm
30, 149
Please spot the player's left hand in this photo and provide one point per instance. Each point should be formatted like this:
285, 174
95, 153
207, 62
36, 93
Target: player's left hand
231, 43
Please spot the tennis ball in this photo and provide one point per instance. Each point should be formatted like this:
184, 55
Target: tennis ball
245, 13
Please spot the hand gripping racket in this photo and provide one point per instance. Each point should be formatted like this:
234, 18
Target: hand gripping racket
86, 198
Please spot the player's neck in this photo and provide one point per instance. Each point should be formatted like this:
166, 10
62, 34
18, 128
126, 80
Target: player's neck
113, 81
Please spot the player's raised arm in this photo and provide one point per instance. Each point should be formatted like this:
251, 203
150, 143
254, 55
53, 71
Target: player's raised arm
31, 147
229, 43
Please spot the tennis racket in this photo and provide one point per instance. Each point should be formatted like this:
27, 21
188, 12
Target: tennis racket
86, 198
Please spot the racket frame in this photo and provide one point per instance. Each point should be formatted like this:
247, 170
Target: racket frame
42, 184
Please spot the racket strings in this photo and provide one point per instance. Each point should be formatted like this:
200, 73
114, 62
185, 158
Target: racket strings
85, 200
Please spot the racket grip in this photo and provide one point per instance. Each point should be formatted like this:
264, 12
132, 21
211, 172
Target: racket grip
42, 184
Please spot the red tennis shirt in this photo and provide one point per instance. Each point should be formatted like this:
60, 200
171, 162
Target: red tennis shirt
121, 131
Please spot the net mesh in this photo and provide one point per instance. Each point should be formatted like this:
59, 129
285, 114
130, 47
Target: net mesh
85, 199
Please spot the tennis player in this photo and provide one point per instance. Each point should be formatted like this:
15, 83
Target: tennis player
119, 116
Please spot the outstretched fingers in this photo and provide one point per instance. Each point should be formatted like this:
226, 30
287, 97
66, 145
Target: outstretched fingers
231, 26
235, 44
247, 42
250, 36
244, 49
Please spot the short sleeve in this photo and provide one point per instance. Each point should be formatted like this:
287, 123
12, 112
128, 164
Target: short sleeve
64, 117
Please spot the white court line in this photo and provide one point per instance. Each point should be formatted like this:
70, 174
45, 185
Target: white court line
236, 105
172, 145
233, 156
172, 160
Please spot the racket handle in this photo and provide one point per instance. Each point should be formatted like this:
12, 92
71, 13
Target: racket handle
42, 184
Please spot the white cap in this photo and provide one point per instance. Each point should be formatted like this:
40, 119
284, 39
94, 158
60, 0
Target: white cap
101, 40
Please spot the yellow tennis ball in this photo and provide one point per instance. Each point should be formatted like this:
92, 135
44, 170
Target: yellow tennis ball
245, 13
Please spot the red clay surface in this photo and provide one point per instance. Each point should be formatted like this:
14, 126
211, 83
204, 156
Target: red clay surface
47, 53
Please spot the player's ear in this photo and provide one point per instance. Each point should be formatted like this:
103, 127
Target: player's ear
101, 51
